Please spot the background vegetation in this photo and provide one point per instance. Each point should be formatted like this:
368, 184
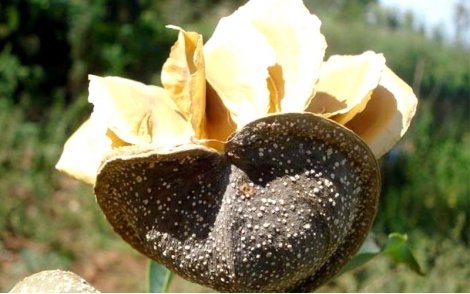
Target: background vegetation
47, 48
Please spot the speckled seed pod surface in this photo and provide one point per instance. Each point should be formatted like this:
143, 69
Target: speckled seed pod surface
286, 205
53, 281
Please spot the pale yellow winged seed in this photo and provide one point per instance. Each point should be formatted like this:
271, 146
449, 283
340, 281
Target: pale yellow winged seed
126, 112
294, 35
346, 84
137, 113
219, 123
388, 114
85, 149
183, 76
237, 60
276, 88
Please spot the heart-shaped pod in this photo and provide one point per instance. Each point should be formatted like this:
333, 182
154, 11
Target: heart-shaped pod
283, 209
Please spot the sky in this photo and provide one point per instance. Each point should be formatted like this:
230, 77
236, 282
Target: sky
431, 12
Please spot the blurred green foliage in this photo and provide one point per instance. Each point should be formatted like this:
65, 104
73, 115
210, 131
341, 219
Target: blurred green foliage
48, 47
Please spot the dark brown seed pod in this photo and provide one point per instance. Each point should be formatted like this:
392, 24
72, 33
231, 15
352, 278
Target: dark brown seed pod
283, 209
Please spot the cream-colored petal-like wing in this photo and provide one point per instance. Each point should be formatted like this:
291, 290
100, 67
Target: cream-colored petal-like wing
85, 149
125, 112
388, 114
219, 123
137, 113
169, 127
183, 76
237, 60
346, 84
294, 34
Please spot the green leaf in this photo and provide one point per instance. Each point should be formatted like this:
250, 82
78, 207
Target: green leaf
396, 247
368, 250
158, 277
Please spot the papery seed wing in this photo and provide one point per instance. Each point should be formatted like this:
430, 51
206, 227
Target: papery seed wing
183, 76
237, 60
294, 35
219, 123
346, 84
137, 113
126, 112
85, 149
388, 114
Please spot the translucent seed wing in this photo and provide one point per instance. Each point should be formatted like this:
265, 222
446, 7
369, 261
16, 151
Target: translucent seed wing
294, 35
183, 76
237, 60
388, 114
137, 113
85, 149
125, 113
346, 84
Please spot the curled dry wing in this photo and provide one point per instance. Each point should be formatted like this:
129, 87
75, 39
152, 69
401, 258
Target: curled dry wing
85, 149
294, 35
265, 58
388, 114
138, 113
221, 219
237, 60
219, 123
363, 94
125, 112
183, 76
346, 84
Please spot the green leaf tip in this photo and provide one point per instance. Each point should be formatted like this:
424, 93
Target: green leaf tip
158, 277
396, 247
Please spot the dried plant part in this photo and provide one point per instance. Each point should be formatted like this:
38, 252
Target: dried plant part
53, 281
387, 115
85, 149
261, 59
183, 76
254, 168
219, 123
346, 84
294, 35
283, 208
138, 113
237, 60
125, 113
